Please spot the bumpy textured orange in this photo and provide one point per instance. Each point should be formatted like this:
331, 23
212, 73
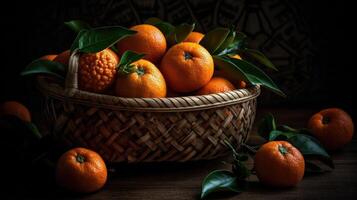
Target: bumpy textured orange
63, 57
16, 109
48, 57
216, 85
279, 164
187, 67
146, 81
148, 40
195, 37
97, 71
81, 170
333, 127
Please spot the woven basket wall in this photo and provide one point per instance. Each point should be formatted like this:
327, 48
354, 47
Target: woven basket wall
147, 129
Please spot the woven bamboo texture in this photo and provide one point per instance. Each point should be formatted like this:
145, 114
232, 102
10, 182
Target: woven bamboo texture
147, 129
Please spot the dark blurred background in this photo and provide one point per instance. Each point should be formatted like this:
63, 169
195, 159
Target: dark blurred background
308, 41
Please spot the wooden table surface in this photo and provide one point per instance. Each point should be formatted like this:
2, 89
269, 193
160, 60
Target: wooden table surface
183, 181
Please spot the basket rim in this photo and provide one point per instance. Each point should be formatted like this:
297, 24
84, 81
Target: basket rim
71, 93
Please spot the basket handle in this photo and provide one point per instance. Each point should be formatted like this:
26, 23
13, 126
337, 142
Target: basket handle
71, 81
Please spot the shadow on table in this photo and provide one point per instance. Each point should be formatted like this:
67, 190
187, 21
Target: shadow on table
252, 187
41, 183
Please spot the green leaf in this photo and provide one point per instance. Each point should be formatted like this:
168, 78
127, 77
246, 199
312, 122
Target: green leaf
317, 166
98, 39
182, 31
165, 27
127, 58
234, 47
152, 20
172, 34
228, 69
260, 58
255, 75
77, 25
33, 128
239, 37
286, 128
280, 135
219, 180
309, 146
266, 125
214, 39
306, 132
311, 167
229, 39
45, 67
114, 48
254, 79
75, 43
322, 161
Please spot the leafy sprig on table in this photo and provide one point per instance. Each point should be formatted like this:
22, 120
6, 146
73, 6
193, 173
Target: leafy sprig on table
317, 160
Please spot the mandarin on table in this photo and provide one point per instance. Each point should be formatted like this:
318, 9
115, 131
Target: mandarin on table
187, 67
16, 109
97, 71
81, 170
194, 37
333, 127
145, 80
63, 57
279, 164
148, 40
216, 85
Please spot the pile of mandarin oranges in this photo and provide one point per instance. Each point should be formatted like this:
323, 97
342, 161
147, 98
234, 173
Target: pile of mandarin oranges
185, 68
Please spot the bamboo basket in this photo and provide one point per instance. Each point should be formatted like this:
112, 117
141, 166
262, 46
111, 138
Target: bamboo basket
147, 129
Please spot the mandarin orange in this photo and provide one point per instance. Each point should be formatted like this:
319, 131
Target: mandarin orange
187, 67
